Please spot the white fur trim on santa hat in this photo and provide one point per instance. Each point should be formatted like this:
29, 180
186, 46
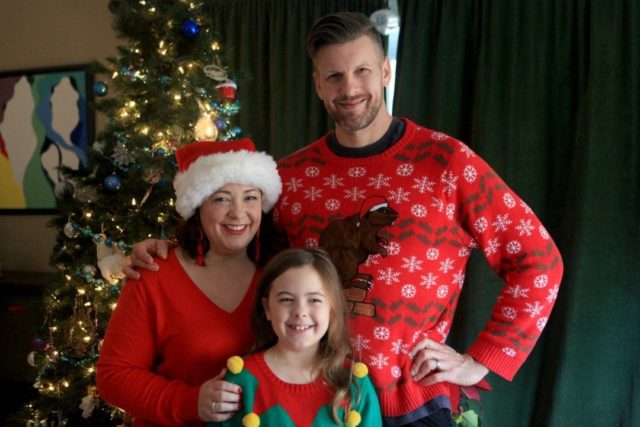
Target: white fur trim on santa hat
209, 173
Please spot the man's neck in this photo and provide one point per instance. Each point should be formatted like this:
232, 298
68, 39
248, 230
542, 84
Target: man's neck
363, 137
393, 134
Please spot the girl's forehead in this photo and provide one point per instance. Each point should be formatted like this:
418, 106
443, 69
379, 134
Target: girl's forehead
299, 279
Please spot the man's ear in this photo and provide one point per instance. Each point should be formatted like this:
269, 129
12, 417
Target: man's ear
316, 81
386, 71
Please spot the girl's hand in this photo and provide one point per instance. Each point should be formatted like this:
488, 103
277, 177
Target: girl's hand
434, 362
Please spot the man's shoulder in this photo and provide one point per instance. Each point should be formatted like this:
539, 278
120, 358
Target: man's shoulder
302, 153
422, 132
442, 144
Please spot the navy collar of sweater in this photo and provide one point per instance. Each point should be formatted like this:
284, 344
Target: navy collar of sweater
391, 136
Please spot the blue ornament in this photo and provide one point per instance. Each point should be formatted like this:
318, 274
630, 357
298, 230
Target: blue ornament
227, 109
190, 28
220, 124
112, 182
100, 88
234, 132
39, 343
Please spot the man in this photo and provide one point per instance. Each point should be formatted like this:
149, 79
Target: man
400, 208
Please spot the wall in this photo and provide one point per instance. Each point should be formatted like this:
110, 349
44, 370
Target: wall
38, 34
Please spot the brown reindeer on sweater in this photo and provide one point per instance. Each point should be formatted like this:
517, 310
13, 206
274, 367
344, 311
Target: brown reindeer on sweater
350, 241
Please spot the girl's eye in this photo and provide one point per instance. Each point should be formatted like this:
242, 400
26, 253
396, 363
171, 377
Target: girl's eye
285, 300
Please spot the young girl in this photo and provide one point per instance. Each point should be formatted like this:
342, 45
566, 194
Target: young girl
296, 374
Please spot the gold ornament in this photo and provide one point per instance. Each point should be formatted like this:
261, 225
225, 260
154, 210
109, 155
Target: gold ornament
80, 333
205, 129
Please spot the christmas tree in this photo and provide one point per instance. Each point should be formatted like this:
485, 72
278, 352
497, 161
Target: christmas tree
167, 87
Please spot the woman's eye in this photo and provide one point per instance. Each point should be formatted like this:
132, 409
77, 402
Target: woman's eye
218, 199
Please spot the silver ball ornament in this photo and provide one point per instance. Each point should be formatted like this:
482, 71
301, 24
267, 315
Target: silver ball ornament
386, 21
62, 189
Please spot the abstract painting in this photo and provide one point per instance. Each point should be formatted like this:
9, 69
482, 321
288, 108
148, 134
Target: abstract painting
44, 124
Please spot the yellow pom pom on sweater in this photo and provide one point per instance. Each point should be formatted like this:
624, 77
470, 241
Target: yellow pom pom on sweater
353, 419
360, 370
235, 364
251, 420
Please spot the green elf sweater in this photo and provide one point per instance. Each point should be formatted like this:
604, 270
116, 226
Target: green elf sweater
268, 401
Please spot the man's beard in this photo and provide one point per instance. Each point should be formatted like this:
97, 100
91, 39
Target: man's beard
352, 124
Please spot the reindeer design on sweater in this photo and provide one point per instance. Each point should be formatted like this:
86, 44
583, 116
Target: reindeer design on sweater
349, 242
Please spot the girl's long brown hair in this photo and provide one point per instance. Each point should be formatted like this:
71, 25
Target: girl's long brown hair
334, 347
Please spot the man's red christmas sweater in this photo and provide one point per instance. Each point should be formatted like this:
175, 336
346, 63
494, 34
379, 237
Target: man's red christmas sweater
401, 226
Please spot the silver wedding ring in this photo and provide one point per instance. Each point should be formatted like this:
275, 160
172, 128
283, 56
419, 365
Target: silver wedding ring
213, 406
437, 364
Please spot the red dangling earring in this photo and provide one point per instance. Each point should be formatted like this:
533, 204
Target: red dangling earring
200, 248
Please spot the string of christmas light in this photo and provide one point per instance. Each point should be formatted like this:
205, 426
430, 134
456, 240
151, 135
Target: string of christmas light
168, 80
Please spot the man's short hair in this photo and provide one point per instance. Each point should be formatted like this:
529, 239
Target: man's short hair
341, 27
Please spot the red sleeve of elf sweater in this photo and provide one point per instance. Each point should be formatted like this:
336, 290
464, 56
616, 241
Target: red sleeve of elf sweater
517, 247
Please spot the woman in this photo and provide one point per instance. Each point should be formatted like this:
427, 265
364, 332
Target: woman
168, 339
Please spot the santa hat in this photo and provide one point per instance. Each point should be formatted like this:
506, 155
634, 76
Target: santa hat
372, 204
205, 166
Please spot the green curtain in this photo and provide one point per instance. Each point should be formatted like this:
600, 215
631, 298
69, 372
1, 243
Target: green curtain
548, 92
266, 45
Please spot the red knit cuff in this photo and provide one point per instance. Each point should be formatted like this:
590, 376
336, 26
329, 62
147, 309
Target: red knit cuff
495, 359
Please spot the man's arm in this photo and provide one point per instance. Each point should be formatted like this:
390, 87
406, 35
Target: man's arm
519, 250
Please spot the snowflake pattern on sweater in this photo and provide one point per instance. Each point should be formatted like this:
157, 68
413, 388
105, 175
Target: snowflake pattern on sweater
400, 227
